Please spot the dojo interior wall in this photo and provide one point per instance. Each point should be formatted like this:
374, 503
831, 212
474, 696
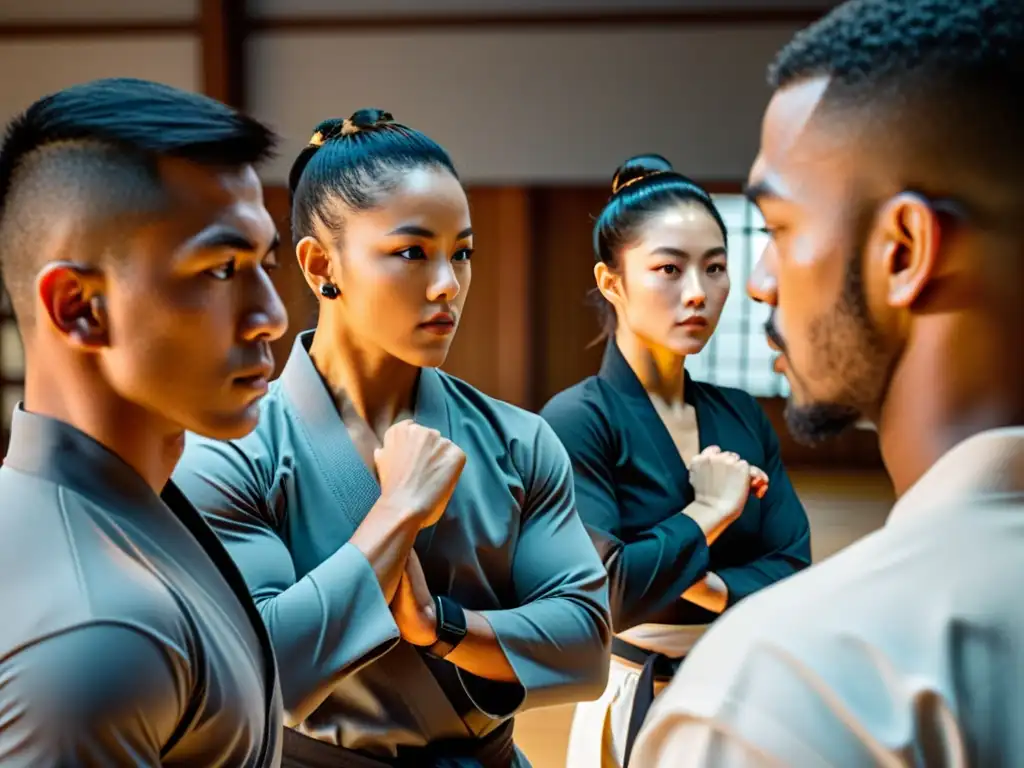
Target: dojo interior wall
537, 115
537, 102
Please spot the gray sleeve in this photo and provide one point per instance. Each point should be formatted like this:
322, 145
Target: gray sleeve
324, 626
557, 639
98, 695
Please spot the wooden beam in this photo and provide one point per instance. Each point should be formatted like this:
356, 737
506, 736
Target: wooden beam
515, 300
222, 31
79, 28
19, 31
481, 21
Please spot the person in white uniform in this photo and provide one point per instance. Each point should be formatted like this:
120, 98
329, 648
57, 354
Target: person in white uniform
891, 177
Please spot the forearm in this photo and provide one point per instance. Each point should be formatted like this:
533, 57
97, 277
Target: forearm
647, 575
786, 543
746, 579
328, 625
480, 653
710, 593
710, 521
559, 646
385, 538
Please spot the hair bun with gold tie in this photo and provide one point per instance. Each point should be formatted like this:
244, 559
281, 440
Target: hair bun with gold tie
639, 168
361, 120
352, 161
365, 120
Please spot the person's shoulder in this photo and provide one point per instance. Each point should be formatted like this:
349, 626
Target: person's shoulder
771, 640
253, 458
532, 443
91, 656
586, 399
262, 441
844, 642
89, 689
805, 610
67, 563
473, 404
589, 418
41, 587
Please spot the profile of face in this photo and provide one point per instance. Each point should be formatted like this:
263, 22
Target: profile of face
181, 319
847, 256
402, 268
671, 282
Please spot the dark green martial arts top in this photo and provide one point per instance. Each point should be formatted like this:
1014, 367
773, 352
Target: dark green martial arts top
128, 637
286, 499
632, 485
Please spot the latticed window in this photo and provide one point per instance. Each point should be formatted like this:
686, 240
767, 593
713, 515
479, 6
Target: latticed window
738, 354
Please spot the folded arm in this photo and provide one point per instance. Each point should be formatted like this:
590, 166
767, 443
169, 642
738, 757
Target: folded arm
785, 533
556, 640
648, 574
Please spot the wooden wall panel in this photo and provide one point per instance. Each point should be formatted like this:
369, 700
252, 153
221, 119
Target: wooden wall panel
563, 275
492, 349
297, 297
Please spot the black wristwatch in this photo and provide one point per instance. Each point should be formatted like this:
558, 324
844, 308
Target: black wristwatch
451, 627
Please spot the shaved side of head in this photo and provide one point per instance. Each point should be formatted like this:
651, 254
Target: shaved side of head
79, 170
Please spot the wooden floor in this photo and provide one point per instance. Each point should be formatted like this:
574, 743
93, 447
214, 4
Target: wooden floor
841, 508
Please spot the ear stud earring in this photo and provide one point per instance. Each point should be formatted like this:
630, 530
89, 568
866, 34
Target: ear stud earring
329, 291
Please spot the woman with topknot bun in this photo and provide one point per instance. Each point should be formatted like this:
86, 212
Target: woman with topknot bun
679, 482
411, 543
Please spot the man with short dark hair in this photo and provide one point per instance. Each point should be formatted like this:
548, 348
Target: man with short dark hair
134, 243
891, 179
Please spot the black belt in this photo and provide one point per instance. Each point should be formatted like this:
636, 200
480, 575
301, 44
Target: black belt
495, 750
656, 667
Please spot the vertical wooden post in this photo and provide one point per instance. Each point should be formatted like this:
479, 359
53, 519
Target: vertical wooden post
223, 25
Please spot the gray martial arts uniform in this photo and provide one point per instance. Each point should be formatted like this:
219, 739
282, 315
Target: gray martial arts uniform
285, 501
128, 636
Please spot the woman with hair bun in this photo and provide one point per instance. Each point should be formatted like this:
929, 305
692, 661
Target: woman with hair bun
412, 544
679, 483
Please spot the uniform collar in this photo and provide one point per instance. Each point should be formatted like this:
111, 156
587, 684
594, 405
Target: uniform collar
65, 455
618, 372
